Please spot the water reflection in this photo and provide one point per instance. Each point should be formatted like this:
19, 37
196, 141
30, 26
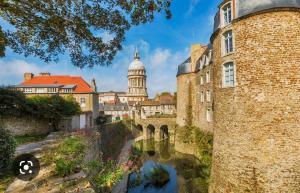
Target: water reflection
187, 174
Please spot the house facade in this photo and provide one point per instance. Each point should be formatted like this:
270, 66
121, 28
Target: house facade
252, 106
85, 94
114, 112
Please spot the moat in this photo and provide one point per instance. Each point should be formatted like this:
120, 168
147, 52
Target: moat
185, 172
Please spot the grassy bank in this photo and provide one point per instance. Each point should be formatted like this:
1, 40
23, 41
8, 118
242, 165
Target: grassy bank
29, 138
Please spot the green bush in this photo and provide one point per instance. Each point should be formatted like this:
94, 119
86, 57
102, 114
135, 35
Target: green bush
66, 167
7, 148
69, 156
107, 175
52, 108
204, 143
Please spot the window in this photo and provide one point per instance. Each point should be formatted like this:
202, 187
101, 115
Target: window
229, 74
228, 42
28, 90
201, 80
67, 90
207, 77
82, 102
208, 97
227, 13
51, 90
40, 90
202, 97
208, 115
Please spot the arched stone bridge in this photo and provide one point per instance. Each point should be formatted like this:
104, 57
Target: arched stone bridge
157, 128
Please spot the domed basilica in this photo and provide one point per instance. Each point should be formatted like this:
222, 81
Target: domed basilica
137, 89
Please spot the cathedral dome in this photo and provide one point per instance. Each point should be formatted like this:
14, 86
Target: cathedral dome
137, 64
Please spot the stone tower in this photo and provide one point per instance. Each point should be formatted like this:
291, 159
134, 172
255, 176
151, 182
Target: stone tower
256, 107
137, 90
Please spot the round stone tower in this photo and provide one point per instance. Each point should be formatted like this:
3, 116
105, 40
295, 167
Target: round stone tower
137, 90
257, 90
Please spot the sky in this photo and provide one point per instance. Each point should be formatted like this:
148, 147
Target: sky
163, 45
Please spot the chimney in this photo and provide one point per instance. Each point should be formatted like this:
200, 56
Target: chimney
45, 74
93, 85
28, 76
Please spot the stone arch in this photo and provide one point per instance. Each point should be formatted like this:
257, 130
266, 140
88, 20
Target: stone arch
139, 128
164, 132
150, 131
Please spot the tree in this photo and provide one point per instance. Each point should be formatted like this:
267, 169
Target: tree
7, 149
12, 103
46, 28
54, 108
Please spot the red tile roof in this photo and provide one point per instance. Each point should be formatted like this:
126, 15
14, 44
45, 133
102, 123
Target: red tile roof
81, 85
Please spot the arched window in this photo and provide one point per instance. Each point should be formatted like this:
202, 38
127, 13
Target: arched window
228, 42
208, 77
229, 74
208, 115
208, 96
202, 97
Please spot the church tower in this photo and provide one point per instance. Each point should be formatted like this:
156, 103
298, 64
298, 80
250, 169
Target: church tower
137, 90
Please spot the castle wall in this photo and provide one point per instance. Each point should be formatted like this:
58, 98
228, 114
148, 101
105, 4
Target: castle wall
206, 104
256, 136
183, 82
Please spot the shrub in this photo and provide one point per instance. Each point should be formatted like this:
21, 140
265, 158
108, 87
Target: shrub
7, 148
158, 176
108, 174
66, 167
69, 156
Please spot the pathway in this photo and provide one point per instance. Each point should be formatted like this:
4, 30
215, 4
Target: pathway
36, 147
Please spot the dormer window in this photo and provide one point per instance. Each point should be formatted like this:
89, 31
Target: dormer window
227, 13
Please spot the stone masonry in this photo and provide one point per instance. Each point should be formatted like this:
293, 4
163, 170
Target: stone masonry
256, 137
255, 121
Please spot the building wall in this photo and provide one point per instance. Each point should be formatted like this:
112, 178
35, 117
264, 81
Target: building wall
183, 82
256, 136
202, 107
25, 126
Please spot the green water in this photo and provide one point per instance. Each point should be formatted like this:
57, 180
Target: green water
187, 174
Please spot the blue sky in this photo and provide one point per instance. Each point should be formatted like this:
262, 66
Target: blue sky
163, 45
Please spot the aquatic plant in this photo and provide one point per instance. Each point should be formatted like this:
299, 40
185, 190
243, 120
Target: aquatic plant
158, 176
137, 181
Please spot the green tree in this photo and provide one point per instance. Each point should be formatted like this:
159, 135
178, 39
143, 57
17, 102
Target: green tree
7, 149
48, 28
54, 108
12, 103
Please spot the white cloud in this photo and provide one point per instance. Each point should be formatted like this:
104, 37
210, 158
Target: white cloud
12, 71
192, 5
161, 66
159, 57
